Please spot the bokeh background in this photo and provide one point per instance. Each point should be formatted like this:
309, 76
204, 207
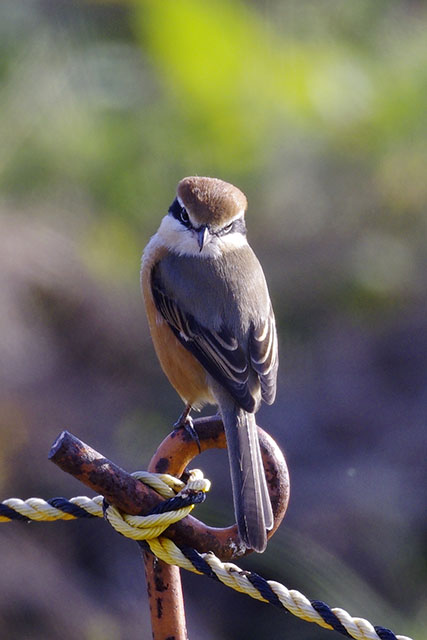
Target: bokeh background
317, 110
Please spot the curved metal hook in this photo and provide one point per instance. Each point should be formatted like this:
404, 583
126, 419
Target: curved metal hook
176, 452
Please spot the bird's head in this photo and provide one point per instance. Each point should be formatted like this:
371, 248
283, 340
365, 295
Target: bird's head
206, 217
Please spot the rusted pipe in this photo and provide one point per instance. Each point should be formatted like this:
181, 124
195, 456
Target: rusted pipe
96, 471
133, 497
173, 455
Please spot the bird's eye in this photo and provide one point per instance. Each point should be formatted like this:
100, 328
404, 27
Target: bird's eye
228, 228
179, 212
183, 216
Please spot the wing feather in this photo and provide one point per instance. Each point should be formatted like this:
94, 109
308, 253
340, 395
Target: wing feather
263, 353
218, 351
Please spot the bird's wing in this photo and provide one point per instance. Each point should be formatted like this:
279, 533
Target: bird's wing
263, 353
218, 351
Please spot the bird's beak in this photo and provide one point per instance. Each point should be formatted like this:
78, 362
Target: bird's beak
202, 234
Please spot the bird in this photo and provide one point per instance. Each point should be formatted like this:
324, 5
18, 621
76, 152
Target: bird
213, 329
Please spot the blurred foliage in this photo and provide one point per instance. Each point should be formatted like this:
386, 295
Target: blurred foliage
241, 77
317, 110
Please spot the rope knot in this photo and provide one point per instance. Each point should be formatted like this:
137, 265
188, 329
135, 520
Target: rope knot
181, 498
196, 483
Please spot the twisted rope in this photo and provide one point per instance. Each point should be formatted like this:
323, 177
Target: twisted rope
147, 530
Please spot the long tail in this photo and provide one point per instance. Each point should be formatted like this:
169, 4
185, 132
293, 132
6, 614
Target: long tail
251, 500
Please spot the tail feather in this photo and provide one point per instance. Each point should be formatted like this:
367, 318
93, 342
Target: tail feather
266, 502
250, 494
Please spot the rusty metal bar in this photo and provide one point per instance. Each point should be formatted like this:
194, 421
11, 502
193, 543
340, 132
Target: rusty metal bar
103, 476
165, 595
132, 496
172, 456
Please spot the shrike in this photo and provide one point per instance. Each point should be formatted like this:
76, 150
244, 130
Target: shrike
213, 329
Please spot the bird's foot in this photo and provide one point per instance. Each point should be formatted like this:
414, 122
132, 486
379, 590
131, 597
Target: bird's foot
185, 421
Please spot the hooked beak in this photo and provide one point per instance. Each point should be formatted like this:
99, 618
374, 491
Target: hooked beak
202, 235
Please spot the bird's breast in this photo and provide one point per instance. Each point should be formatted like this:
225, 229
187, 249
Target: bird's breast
184, 372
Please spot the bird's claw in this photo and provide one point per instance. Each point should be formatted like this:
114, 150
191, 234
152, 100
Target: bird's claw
186, 422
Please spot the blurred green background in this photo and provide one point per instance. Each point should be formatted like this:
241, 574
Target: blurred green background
317, 111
